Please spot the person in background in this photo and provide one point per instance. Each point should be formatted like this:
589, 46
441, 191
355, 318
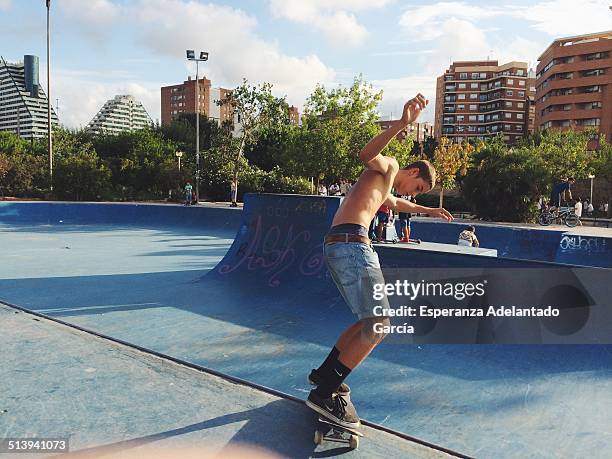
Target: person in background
344, 187
383, 215
578, 210
561, 189
234, 194
468, 238
589, 208
322, 190
334, 189
188, 194
404, 221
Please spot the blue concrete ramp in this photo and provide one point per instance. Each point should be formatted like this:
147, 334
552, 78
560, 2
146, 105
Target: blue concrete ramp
266, 312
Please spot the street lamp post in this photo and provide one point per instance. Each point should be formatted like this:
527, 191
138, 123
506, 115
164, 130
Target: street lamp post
203, 58
591, 177
179, 154
49, 139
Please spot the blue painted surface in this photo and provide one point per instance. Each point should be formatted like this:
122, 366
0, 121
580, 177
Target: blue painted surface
147, 215
522, 243
268, 313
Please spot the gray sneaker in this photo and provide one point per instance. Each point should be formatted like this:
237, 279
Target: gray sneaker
337, 408
315, 380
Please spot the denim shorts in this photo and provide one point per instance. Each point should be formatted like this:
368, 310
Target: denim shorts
355, 268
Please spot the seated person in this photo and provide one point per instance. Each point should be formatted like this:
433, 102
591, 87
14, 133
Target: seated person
468, 238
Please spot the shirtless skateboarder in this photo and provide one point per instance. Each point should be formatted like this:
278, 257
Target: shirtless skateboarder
354, 265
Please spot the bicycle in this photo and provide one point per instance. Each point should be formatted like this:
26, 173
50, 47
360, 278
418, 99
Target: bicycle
565, 215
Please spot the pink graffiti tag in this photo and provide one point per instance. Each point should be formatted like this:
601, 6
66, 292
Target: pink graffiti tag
276, 251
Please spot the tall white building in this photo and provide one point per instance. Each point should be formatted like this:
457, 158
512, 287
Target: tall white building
23, 104
122, 113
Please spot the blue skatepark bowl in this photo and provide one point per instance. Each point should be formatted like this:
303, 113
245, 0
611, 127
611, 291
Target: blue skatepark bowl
246, 293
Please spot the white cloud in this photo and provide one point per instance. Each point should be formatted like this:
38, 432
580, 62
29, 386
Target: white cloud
399, 90
96, 19
166, 28
561, 18
81, 94
555, 18
334, 18
5, 5
432, 15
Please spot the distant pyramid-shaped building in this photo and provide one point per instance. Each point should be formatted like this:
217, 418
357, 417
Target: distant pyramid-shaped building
122, 113
23, 104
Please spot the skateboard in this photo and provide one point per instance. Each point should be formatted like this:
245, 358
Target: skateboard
396, 240
330, 431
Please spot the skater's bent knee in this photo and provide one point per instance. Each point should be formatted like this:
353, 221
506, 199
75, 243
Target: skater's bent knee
374, 329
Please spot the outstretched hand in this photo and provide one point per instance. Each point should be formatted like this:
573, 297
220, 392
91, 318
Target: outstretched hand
413, 108
442, 213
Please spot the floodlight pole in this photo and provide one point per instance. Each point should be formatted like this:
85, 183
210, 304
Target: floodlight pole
49, 137
197, 82
203, 57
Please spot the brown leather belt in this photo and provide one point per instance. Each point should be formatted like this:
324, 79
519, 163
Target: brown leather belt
346, 237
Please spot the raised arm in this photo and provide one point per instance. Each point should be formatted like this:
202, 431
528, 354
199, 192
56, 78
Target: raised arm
370, 155
403, 205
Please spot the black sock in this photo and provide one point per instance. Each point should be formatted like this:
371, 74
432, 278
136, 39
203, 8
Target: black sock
329, 361
332, 378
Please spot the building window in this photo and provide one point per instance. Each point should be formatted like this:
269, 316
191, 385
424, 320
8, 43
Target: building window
480, 117
521, 82
461, 85
510, 81
461, 96
473, 85
520, 72
460, 118
460, 107
473, 96
463, 76
472, 117
507, 127
508, 103
509, 92
483, 76
520, 105
473, 107
519, 116
521, 93
519, 127
508, 115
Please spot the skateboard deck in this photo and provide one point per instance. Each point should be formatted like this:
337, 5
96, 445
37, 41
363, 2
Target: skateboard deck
330, 431
396, 241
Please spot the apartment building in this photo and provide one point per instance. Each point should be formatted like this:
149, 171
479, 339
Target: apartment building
181, 98
23, 103
480, 99
420, 131
574, 84
122, 113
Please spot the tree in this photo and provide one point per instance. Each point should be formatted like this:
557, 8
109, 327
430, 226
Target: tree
504, 183
450, 159
257, 110
336, 125
564, 153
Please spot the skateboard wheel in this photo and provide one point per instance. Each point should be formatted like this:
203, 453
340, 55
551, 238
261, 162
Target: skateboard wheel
318, 437
354, 442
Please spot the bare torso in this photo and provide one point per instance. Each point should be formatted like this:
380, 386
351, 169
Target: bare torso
365, 198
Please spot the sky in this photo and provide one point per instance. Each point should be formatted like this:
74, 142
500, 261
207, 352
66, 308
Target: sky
101, 48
